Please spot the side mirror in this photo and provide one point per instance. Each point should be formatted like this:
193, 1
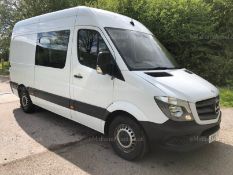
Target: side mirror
105, 63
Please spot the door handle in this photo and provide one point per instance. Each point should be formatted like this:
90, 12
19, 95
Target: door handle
78, 76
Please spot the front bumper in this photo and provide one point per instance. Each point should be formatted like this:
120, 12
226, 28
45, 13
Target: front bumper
180, 136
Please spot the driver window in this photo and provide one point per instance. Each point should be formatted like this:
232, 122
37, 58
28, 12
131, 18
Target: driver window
90, 43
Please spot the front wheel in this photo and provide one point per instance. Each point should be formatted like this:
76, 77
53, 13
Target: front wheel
128, 138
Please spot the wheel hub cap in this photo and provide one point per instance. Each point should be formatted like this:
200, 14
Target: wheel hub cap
125, 137
24, 100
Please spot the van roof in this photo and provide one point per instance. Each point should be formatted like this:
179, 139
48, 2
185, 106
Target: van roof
80, 15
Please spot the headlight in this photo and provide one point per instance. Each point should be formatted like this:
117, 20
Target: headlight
175, 109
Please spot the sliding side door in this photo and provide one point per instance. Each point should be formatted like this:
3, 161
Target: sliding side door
52, 71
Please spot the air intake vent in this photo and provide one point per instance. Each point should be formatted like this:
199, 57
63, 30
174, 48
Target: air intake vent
188, 71
158, 74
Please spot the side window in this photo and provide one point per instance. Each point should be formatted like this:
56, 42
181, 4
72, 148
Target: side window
51, 49
90, 43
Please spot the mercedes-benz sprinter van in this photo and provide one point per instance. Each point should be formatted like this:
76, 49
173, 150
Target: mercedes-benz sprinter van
109, 72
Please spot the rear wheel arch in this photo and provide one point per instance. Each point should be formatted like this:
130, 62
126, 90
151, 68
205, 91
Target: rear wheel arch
21, 87
25, 100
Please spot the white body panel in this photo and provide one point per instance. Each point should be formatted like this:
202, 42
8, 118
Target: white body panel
22, 59
182, 85
134, 95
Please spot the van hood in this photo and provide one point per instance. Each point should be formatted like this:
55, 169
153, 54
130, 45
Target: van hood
181, 84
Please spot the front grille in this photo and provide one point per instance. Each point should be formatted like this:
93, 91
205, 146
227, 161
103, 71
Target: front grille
208, 109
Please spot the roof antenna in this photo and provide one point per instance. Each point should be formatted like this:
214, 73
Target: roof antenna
131, 22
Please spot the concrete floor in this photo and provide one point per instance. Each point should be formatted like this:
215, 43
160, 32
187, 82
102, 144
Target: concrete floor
45, 143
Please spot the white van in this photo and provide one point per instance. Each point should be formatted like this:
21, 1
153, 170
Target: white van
108, 72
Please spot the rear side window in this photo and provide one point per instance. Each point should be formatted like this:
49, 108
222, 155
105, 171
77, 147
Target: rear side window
90, 43
51, 49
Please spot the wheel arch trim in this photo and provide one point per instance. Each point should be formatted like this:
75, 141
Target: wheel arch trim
128, 108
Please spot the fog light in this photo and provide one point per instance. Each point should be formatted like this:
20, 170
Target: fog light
188, 117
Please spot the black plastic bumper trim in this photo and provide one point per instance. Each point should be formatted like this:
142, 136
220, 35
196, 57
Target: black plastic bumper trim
179, 135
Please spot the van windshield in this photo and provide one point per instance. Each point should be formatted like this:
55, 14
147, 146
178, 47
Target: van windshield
141, 51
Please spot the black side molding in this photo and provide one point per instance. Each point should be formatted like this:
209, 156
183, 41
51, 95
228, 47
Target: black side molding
89, 109
59, 100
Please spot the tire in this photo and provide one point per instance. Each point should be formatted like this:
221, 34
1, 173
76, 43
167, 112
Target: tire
127, 138
25, 101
